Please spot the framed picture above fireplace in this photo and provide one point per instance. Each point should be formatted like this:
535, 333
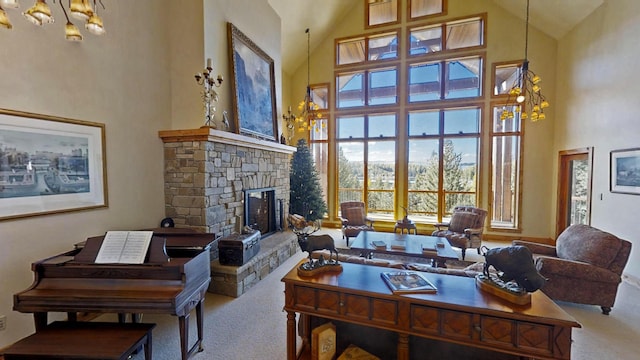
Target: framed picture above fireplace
253, 86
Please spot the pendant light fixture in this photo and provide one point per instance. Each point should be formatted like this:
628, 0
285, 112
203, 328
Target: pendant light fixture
4, 19
71, 32
80, 9
40, 14
305, 121
525, 95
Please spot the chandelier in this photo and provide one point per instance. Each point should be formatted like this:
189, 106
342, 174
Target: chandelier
40, 14
308, 110
525, 96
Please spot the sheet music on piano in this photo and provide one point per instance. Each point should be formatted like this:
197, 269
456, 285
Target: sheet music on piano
124, 247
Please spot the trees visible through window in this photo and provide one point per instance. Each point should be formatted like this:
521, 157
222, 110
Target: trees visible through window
443, 161
423, 138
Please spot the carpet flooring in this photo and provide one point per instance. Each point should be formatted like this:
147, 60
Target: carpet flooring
253, 326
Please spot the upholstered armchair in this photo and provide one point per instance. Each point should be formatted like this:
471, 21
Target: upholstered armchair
465, 228
354, 219
584, 267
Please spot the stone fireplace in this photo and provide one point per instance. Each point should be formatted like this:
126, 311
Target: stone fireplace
208, 172
218, 182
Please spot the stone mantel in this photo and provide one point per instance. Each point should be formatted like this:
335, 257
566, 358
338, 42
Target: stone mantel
224, 137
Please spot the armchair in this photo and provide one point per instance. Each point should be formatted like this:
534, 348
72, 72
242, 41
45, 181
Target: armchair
465, 228
354, 219
584, 267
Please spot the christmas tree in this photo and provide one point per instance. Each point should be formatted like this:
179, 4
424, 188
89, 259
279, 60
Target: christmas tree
306, 194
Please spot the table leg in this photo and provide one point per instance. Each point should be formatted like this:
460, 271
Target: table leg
403, 346
291, 335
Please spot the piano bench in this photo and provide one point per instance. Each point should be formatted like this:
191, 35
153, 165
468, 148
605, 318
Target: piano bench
83, 340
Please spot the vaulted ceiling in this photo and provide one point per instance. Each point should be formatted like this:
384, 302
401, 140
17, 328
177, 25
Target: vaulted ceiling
554, 17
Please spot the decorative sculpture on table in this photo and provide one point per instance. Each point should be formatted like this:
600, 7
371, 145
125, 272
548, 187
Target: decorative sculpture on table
517, 275
310, 243
209, 94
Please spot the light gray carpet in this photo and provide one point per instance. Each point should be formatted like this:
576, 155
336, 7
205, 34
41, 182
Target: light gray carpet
253, 326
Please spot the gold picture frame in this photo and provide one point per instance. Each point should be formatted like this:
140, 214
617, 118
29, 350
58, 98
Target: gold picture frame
253, 87
50, 165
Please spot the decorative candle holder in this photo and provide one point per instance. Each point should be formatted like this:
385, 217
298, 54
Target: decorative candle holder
209, 94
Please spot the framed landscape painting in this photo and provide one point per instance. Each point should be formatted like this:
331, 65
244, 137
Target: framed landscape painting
50, 165
625, 171
253, 86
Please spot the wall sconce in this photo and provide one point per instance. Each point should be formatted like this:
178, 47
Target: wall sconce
209, 94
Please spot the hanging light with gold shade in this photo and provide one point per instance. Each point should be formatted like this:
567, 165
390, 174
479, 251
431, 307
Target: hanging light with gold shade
40, 14
4, 19
525, 96
308, 110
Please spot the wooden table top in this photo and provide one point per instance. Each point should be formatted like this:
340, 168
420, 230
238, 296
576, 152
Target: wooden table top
457, 293
413, 244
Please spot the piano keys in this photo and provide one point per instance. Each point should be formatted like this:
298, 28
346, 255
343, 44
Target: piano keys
173, 280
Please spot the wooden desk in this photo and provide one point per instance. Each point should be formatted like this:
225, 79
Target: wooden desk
413, 245
458, 313
83, 340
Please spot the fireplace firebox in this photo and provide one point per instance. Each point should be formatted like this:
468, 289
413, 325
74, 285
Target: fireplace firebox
260, 210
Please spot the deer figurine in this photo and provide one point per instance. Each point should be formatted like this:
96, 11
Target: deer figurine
311, 243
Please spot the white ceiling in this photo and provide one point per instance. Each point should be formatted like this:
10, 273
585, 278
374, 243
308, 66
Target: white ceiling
554, 17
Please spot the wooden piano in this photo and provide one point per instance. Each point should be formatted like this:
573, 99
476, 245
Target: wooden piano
173, 280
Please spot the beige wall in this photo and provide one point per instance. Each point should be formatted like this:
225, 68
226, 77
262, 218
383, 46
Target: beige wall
505, 42
137, 79
598, 87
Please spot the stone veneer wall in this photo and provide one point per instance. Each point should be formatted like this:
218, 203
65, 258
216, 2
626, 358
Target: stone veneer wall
206, 171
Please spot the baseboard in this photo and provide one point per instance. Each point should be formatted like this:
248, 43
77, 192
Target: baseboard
632, 280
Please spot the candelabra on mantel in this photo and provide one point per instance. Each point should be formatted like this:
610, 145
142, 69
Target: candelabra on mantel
209, 93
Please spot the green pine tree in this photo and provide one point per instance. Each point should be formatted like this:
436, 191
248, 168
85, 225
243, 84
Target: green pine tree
305, 191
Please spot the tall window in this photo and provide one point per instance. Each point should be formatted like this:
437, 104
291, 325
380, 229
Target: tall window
505, 170
319, 135
443, 161
423, 139
506, 152
366, 161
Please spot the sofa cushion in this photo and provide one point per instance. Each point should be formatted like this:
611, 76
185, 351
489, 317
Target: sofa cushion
588, 244
355, 215
463, 220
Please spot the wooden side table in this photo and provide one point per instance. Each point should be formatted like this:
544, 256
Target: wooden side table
83, 340
405, 225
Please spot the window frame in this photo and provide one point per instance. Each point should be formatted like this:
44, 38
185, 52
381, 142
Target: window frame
443, 12
367, 15
365, 39
495, 106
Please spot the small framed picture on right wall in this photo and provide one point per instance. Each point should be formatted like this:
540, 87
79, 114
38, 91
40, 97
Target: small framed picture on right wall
625, 171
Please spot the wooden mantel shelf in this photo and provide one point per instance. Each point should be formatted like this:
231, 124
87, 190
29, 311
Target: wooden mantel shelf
225, 137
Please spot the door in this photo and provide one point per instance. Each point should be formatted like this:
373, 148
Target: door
574, 188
